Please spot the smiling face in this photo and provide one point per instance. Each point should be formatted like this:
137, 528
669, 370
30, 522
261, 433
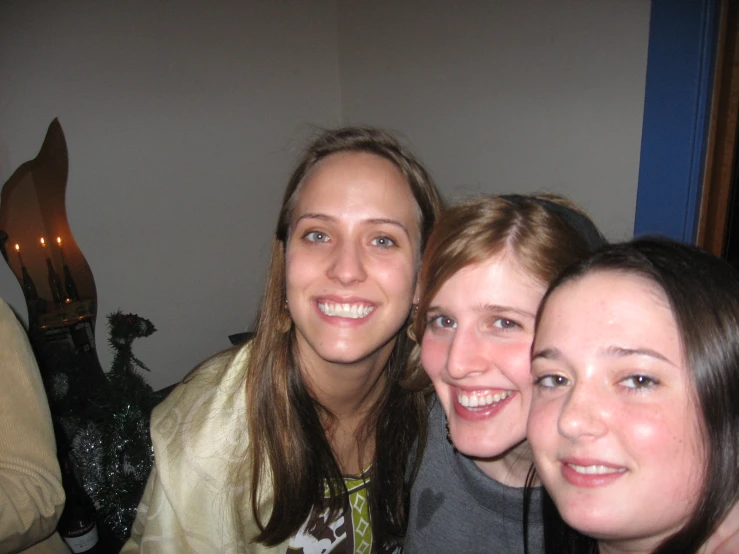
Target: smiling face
476, 352
613, 423
351, 260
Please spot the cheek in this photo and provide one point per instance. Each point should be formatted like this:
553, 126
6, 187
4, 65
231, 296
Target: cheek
433, 355
513, 359
667, 446
292, 278
665, 440
542, 423
298, 266
397, 275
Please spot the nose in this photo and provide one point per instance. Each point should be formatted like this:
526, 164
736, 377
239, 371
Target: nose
347, 264
584, 413
466, 354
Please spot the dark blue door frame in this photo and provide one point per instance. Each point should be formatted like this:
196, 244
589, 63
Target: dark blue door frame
680, 67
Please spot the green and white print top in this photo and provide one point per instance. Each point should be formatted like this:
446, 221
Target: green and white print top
350, 533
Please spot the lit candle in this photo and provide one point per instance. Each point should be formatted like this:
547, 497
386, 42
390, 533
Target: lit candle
18, 250
43, 244
61, 250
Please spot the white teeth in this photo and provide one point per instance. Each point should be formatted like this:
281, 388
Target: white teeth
595, 470
351, 311
474, 401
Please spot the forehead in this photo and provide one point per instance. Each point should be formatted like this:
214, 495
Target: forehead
360, 182
500, 279
610, 306
626, 289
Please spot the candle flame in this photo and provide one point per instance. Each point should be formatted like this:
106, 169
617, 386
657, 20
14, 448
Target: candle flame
17, 247
43, 242
59, 240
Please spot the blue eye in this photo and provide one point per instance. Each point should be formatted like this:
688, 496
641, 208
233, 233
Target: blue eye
442, 322
551, 381
639, 382
383, 242
504, 323
316, 236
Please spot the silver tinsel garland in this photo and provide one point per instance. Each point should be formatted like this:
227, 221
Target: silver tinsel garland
106, 428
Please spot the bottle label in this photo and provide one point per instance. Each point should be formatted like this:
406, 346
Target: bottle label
84, 542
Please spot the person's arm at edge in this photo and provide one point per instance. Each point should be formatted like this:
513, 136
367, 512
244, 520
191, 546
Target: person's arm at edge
31, 493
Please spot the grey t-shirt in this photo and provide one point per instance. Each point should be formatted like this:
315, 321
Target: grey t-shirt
455, 507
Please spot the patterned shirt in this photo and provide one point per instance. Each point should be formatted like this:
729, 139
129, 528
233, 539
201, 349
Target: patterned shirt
350, 533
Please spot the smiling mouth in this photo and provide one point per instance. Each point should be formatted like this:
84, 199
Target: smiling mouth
595, 470
478, 400
351, 311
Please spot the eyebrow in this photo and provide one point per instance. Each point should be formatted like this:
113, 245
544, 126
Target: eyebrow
489, 308
547, 354
371, 221
620, 352
498, 308
609, 352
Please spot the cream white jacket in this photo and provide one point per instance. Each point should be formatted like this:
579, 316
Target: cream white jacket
199, 434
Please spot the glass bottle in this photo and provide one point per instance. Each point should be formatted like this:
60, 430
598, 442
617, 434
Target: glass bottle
77, 525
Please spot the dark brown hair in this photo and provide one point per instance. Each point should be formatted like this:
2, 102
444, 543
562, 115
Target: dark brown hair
288, 445
703, 293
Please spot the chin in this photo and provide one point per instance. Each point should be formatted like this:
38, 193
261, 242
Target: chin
483, 439
342, 357
345, 355
476, 448
599, 525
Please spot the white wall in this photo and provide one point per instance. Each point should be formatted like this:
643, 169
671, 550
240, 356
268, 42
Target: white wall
183, 120
507, 96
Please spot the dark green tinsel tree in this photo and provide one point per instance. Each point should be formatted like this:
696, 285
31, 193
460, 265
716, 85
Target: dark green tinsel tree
105, 422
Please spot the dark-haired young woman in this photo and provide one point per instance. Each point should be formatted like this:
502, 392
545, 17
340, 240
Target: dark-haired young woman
634, 422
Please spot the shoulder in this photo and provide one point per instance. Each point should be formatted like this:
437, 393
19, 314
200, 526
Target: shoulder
437, 429
200, 439
213, 384
5, 312
11, 330
434, 462
201, 426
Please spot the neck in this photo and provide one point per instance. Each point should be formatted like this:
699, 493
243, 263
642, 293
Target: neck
510, 468
643, 546
348, 392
